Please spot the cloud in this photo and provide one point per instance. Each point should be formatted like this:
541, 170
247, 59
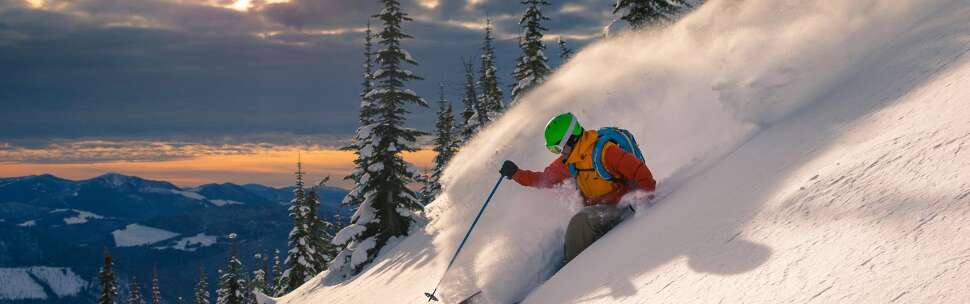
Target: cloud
142, 150
206, 68
90, 150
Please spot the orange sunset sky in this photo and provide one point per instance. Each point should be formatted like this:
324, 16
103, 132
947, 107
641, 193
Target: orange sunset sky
272, 167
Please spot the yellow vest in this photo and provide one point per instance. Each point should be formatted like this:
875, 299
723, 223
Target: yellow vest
590, 184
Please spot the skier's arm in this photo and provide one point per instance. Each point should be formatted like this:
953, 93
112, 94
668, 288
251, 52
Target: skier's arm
628, 167
553, 175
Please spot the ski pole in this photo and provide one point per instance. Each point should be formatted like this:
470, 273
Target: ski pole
430, 295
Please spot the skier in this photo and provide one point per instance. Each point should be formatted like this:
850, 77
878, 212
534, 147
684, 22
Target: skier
606, 165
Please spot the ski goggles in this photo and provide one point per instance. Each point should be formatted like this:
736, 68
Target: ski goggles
558, 148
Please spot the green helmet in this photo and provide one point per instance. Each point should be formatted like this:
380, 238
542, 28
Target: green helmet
558, 127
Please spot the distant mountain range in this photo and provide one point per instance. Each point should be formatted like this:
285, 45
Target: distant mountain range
53, 232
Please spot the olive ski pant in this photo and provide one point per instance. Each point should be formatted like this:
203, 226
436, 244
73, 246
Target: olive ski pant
587, 226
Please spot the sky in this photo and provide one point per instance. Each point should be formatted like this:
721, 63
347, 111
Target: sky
179, 89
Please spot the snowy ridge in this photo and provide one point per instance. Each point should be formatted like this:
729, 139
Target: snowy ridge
189, 194
812, 151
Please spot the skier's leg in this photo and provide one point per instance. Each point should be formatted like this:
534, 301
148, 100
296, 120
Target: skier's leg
586, 227
579, 235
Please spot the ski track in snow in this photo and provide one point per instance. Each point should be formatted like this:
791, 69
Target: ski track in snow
811, 152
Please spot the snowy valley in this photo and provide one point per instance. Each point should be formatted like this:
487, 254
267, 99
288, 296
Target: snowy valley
53, 232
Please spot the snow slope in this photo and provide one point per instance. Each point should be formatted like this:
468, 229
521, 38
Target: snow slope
138, 235
29, 282
81, 216
810, 151
192, 243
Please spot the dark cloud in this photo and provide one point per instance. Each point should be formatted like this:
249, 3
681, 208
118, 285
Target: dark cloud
321, 13
119, 68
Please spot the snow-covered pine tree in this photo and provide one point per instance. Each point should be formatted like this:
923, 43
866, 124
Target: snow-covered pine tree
491, 91
424, 179
221, 290
276, 275
388, 206
321, 231
303, 258
265, 286
532, 67
231, 281
134, 292
156, 290
258, 283
362, 136
444, 147
202, 295
106, 278
469, 116
641, 13
564, 52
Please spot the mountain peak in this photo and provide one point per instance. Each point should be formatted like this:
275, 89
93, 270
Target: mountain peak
115, 179
118, 180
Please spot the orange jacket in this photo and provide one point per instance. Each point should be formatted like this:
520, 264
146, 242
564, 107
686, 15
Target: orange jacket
628, 173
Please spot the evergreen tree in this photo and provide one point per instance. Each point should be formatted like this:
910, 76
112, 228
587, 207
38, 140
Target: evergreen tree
321, 231
564, 52
444, 147
532, 66
424, 180
258, 284
303, 260
491, 97
388, 207
156, 291
134, 292
362, 137
469, 116
642, 13
106, 278
277, 275
220, 290
202, 295
231, 281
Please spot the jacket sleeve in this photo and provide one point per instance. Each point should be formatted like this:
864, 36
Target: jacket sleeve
626, 166
553, 175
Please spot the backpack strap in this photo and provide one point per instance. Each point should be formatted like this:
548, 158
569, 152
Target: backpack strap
622, 138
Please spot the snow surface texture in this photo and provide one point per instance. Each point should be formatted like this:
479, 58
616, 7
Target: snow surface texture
28, 283
137, 235
811, 151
